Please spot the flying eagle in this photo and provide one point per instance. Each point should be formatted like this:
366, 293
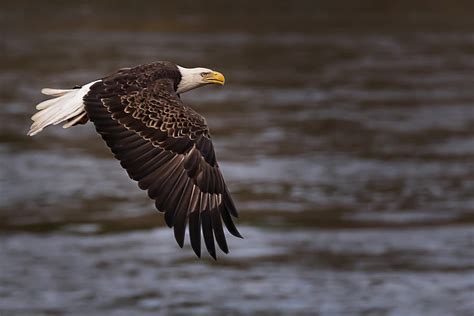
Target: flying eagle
161, 142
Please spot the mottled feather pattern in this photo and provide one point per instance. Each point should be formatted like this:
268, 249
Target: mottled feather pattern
165, 146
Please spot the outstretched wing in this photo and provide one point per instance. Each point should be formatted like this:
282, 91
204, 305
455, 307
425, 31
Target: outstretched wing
166, 147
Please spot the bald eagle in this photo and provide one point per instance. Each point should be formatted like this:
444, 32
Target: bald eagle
161, 142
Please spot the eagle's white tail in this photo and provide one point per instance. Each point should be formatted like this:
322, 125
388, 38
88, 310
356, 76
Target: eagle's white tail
66, 106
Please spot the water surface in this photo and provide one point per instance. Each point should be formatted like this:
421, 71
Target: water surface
345, 133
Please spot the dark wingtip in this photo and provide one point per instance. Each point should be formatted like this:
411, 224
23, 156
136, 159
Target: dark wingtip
198, 253
237, 234
224, 247
195, 232
213, 255
169, 218
179, 234
226, 217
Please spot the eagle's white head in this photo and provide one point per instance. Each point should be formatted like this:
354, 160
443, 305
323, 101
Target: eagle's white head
192, 78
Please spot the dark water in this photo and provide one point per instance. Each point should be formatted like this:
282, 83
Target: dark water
345, 132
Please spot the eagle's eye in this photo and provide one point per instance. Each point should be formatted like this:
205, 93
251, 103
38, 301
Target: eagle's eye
203, 74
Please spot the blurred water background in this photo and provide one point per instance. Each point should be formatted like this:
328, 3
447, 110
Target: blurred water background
345, 132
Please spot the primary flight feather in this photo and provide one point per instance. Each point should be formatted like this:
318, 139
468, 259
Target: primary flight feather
162, 143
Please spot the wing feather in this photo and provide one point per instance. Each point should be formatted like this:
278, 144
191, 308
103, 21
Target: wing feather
207, 233
181, 214
217, 227
195, 229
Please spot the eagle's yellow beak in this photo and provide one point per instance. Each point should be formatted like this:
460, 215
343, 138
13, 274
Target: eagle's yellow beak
214, 77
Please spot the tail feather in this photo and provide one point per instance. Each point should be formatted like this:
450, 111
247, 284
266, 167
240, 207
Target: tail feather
47, 103
55, 92
74, 120
66, 106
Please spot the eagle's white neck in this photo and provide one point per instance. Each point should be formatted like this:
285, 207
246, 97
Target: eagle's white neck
191, 78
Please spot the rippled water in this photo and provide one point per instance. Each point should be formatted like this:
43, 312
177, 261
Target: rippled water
345, 133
